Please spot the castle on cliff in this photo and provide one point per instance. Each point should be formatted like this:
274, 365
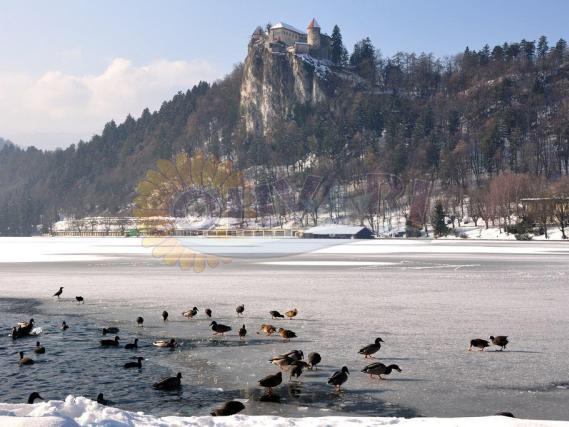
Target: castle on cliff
283, 38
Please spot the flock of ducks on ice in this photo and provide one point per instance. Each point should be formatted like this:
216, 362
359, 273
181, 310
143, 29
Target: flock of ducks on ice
292, 362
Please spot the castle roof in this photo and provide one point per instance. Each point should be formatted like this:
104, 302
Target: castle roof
286, 27
313, 24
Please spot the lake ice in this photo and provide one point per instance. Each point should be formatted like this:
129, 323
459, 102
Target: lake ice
425, 299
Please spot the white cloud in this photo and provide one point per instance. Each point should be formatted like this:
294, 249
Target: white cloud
58, 108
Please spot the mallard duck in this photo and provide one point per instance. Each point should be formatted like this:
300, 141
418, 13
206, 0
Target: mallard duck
478, 343
368, 350
35, 395
58, 293
25, 360
295, 354
165, 315
282, 361
208, 312
291, 313
218, 328
190, 313
40, 349
500, 341
268, 330
242, 332
228, 408
296, 371
80, 299
132, 345
271, 381
240, 309
276, 315
110, 330
137, 364
110, 343
339, 377
23, 329
286, 334
171, 383
140, 321
314, 359
165, 343
101, 399
380, 369
64, 326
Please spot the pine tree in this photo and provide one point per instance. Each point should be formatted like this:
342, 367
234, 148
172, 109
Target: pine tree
439, 223
542, 47
338, 53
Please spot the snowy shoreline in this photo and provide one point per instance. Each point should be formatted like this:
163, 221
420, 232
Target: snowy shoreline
80, 411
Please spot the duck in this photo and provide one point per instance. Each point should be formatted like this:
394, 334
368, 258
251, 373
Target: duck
296, 371
171, 383
110, 343
33, 396
80, 299
268, 330
137, 364
313, 360
218, 328
500, 341
208, 312
140, 321
339, 377
286, 334
110, 330
275, 314
165, 315
368, 350
101, 400
190, 313
242, 332
478, 343
166, 343
271, 381
240, 309
291, 313
23, 329
132, 345
282, 361
380, 369
295, 354
228, 408
40, 349
58, 293
64, 326
25, 360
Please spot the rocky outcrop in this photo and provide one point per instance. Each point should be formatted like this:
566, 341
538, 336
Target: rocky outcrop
275, 81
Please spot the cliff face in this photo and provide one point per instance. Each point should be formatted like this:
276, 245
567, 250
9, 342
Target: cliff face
274, 82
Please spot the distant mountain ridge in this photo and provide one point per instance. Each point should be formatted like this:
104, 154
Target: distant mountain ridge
458, 122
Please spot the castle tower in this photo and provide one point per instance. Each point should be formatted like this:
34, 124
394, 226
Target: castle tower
313, 34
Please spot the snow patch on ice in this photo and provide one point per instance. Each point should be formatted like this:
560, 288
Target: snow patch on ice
80, 411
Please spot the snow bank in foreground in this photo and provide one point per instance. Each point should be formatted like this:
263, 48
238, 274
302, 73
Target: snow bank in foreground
82, 411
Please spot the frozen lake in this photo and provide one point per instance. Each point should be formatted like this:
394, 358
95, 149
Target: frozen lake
425, 299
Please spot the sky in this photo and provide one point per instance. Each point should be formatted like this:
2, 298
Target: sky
69, 66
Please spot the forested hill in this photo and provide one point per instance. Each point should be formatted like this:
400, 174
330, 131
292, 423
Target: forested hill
4, 142
460, 121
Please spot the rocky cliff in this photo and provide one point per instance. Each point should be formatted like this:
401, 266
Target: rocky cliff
275, 81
